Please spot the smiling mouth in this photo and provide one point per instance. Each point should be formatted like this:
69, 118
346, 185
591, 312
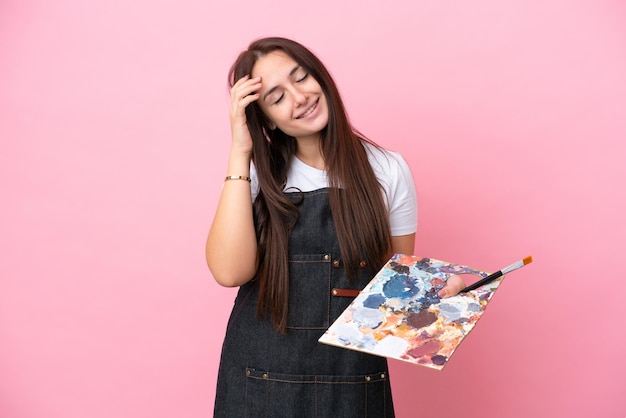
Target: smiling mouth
309, 110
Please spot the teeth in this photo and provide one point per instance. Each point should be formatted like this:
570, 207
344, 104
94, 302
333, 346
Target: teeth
308, 112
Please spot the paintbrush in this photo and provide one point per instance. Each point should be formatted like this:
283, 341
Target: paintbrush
492, 277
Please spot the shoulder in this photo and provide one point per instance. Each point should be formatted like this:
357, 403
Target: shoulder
396, 180
386, 163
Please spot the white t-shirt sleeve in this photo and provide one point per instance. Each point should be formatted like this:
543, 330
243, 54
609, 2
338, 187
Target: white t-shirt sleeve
403, 201
396, 179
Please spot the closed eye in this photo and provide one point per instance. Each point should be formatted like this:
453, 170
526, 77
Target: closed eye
304, 77
279, 99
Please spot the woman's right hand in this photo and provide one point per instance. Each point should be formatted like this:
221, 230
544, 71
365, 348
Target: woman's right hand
231, 248
243, 92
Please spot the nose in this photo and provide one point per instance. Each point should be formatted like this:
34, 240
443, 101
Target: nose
299, 97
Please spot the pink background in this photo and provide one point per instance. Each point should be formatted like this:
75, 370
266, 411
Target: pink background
114, 136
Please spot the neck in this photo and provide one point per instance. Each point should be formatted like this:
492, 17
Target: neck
308, 150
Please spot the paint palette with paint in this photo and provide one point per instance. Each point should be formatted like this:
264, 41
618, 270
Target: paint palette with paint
399, 315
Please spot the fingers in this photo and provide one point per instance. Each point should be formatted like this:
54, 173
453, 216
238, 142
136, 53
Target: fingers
453, 286
244, 90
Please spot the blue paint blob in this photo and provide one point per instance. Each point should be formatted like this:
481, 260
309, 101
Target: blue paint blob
448, 309
473, 307
430, 298
400, 286
449, 312
370, 318
374, 301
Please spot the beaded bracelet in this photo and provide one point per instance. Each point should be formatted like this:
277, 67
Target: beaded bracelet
238, 178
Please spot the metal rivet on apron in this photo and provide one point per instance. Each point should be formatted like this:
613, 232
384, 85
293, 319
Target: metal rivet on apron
247, 372
362, 264
334, 292
367, 378
326, 257
264, 375
336, 264
382, 375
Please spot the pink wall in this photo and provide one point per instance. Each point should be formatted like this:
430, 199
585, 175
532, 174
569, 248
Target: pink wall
114, 134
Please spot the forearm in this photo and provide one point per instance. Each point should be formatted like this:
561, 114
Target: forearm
403, 244
231, 248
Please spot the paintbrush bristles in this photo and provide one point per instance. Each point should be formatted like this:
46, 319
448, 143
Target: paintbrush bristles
517, 265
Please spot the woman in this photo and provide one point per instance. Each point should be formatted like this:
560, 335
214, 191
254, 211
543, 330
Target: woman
309, 212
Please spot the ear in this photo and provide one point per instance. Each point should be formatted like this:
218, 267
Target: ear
268, 122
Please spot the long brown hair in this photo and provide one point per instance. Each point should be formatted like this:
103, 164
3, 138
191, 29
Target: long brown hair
355, 196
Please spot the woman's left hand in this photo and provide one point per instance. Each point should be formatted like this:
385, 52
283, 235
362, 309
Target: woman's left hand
453, 286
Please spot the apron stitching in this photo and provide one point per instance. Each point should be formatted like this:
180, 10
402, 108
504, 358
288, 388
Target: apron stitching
267, 407
245, 398
385, 386
315, 395
366, 390
330, 279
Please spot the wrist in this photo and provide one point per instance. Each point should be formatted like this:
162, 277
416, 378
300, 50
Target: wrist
240, 155
239, 164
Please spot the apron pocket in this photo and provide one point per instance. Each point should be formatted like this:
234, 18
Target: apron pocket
309, 291
270, 394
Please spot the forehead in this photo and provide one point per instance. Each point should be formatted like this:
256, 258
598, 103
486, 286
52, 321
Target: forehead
273, 66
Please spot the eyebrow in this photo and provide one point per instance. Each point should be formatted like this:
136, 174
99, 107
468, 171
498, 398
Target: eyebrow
270, 91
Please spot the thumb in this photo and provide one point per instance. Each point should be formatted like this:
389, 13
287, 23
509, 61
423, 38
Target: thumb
453, 286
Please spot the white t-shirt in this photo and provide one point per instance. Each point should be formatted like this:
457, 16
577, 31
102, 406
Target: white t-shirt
392, 172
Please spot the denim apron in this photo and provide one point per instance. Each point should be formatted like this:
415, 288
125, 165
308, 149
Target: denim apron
265, 374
